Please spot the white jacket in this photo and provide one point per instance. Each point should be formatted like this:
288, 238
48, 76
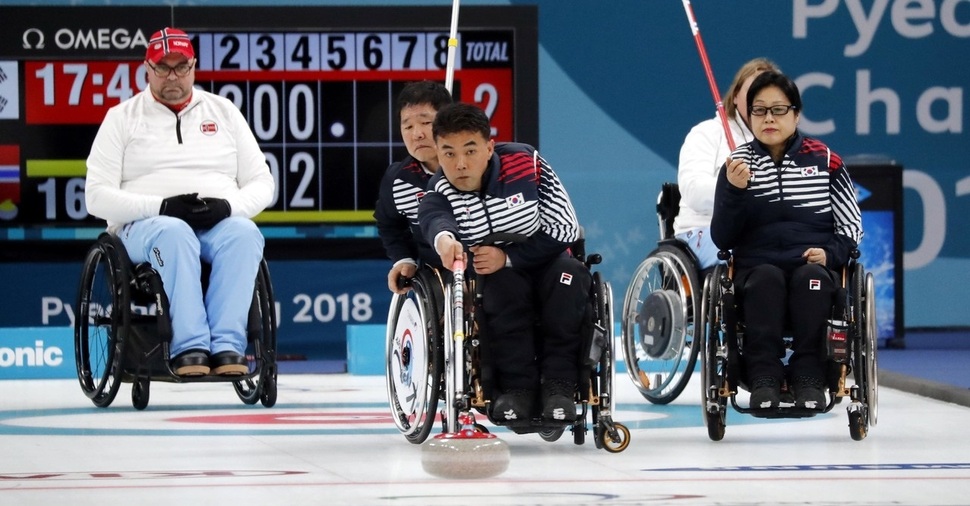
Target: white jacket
144, 152
703, 153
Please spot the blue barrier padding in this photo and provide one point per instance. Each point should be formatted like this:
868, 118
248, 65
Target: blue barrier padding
365, 349
37, 353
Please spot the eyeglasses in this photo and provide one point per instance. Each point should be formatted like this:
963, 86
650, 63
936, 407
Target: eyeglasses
775, 110
181, 70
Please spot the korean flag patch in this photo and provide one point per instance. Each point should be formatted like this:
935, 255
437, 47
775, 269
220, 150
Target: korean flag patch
810, 171
515, 200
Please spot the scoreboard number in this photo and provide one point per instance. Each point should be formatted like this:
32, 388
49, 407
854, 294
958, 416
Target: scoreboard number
321, 105
376, 51
66, 85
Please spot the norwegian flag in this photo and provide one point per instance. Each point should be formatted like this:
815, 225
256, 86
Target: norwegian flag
9, 180
168, 39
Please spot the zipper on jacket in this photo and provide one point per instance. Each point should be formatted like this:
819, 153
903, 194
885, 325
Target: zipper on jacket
780, 173
488, 216
178, 127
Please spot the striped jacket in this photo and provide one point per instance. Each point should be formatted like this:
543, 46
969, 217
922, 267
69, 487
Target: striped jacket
806, 201
396, 212
520, 194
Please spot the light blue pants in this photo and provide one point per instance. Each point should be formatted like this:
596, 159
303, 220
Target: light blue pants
699, 241
234, 248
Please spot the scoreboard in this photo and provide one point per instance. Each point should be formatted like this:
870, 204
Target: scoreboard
317, 85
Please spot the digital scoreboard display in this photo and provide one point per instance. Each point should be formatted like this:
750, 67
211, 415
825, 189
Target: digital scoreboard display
317, 85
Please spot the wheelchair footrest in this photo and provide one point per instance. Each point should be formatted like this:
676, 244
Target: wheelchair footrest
170, 378
785, 410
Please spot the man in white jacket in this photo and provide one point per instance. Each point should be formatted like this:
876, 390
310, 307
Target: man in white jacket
701, 156
177, 174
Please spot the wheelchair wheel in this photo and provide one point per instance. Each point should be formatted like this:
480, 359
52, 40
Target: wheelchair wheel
713, 366
617, 441
551, 435
414, 355
611, 436
140, 393
872, 334
260, 382
659, 344
864, 412
604, 380
604, 373
103, 320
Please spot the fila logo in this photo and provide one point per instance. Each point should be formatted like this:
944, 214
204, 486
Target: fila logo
418, 196
209, 127
566, 278
514, 200
815, 284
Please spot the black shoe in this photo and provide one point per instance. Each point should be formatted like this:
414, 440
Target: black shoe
809, 393
515, 404
229, 363
191, 363
765, 393
557, 403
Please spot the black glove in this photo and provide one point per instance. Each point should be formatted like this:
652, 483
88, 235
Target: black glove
218, 210
200, 214
183, 207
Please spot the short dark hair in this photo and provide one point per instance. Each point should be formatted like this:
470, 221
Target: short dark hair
458, 117
783, 82
423, 92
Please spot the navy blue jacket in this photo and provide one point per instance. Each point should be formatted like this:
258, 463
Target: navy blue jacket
805, 201
396, 212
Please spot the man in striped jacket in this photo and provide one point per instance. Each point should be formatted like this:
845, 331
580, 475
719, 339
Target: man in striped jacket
405, 182
485, 188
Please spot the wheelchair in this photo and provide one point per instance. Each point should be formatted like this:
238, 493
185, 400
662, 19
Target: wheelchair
435, 354
659, 331
850, 350
122, 332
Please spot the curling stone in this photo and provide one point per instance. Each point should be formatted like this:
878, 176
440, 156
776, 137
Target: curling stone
466, 454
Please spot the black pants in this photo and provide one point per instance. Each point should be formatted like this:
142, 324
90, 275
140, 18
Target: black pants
515, 300
771, 298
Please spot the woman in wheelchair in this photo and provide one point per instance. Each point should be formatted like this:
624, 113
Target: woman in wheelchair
485, 188
701, 157
785, 206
